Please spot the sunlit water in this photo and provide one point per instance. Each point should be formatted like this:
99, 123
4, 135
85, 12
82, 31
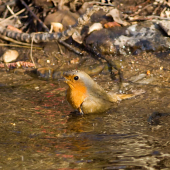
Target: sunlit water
38, 132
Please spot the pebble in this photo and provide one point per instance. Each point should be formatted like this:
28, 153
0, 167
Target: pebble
9, 56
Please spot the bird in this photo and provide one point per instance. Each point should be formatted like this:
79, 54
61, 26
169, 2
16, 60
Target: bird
86, 96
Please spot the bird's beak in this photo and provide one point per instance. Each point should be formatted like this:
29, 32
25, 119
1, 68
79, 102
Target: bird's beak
65, 75
62, 79
65, 79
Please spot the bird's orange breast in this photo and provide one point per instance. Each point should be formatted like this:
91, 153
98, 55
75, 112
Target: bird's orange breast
76, 95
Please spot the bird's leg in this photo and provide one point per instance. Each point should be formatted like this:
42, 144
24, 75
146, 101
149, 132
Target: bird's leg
80, 111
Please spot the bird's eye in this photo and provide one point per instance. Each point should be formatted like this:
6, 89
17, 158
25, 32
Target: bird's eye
76, 78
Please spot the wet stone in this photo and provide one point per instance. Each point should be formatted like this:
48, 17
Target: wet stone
146, 36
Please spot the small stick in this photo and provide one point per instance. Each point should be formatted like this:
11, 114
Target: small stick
5, 13
60, 49
43, 25
31, 50
17, 64
20, 46
10, 10
69, 47
150, 17
100, 3
156, 9
140, 10
14, 41
12, 16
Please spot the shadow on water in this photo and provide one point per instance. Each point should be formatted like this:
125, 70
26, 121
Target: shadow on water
38, 132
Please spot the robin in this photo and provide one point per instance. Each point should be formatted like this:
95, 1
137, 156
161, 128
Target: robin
86, 96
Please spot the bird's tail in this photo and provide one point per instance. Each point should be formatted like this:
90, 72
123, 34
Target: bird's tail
118, 97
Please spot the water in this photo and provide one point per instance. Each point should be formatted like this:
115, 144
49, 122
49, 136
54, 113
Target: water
38, 132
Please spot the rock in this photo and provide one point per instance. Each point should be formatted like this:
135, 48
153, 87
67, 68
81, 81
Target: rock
66, 18
165, 25
147, 80
9, 56
137, 78
146, 36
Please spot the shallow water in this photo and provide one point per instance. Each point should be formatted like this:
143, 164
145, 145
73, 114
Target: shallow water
38, 132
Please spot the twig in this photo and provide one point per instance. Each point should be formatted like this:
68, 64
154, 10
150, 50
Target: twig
60, 49
10, 10
5, 13
140, 10
163, 11
69, 47
14, 41
167, 3
156, 9
100, 3
150, 17
23, 46
17, 64
12, 16
3, 7
43, 25
31, 50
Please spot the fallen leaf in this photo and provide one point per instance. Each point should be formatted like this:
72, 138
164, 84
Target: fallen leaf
12, 28
115, 13
111, 24
94, 27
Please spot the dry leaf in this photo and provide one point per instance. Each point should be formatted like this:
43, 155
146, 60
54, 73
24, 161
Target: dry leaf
95, 26
75, 61
77, 37
111, 24
12, 28
115, 13
56, 26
